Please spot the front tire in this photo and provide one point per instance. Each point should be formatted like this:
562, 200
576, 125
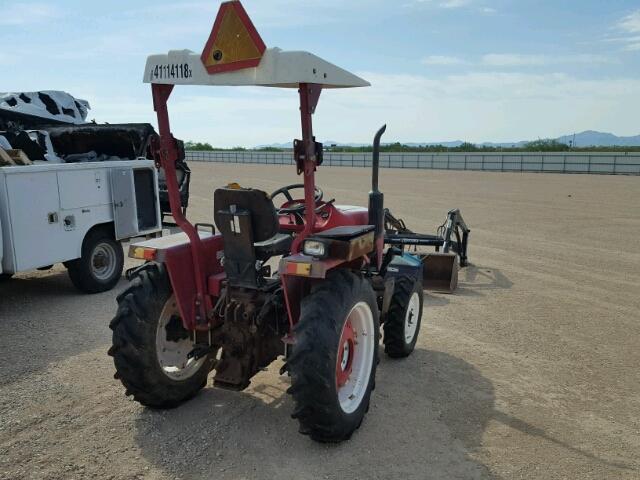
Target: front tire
150, 346
100, 267
333, 362
402, 322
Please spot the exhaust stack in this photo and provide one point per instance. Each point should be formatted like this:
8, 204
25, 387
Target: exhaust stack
376, 198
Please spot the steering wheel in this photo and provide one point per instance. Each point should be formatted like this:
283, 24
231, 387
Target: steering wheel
296, 207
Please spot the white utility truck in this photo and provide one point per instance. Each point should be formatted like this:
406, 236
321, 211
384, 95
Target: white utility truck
76, 214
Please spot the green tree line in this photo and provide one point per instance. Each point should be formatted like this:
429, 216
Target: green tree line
535, 146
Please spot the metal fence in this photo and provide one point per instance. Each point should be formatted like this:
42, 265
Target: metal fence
595, 163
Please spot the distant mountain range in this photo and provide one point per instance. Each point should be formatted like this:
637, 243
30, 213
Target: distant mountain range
589, 138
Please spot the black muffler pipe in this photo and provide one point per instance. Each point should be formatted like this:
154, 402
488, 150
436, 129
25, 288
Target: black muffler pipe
376, 198
376, 159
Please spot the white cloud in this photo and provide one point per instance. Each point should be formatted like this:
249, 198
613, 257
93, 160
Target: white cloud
631, 26
454, 3
496, 106
274, 13
19, 13
633, 46
499, 60
631, 23
520, 60
443, 60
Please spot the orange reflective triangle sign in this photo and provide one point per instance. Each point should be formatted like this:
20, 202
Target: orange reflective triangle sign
234, 43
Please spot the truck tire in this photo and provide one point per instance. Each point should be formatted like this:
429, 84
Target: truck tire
402, 322
150, 346
333, 362
100, 267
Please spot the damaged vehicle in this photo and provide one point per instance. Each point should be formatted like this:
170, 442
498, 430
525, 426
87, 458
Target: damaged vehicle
50, 126
71, 191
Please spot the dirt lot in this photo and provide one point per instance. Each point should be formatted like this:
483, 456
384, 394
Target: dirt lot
530, 371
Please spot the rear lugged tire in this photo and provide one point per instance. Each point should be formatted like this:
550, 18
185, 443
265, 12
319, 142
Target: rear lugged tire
134, 349
318, 356
403, 320
100, 267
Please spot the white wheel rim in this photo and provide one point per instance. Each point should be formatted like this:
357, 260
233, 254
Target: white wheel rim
172, 356
359, 356
103, 261
411, 318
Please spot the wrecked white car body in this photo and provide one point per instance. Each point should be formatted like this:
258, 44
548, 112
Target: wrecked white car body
50, 126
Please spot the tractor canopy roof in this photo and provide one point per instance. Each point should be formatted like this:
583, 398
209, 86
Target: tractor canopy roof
235, 55
277, 68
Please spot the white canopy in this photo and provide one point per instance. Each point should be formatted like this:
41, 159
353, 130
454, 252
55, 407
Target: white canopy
277, 69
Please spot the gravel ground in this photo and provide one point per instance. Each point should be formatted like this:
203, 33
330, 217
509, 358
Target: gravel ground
529, 371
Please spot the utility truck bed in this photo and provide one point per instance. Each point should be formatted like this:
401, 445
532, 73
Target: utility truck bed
75, 214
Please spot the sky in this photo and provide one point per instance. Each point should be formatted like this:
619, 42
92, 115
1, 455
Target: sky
441, 70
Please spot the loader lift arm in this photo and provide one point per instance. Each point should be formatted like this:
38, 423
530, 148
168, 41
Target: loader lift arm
397, 234
439, 269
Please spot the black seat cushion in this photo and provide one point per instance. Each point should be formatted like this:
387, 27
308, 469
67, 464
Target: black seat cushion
264, 218
267, 242
280, 244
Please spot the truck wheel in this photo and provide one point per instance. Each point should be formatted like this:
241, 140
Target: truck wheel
150, 346
100, 267
333, 362
402, 323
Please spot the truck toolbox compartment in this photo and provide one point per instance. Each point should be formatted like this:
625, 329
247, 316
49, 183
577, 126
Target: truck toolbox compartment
47, 209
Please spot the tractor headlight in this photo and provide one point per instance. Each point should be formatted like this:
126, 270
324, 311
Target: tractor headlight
314, 248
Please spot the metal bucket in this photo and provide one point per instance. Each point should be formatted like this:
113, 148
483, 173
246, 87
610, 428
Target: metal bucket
440, 272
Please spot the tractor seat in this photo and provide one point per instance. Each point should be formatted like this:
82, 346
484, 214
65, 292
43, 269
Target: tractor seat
261, 224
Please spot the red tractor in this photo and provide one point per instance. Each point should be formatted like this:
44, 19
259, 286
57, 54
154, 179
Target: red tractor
207, 300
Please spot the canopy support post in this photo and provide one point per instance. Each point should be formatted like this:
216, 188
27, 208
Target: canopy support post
165, 152
309, 97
